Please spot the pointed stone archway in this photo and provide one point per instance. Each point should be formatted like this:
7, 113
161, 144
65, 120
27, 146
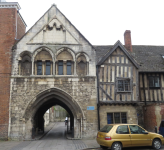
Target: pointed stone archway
46, 99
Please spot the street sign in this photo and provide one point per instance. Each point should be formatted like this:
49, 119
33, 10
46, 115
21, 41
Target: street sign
90, 108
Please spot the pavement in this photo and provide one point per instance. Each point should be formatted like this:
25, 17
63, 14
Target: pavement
55, 139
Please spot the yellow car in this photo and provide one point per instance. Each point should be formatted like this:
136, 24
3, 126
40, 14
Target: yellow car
117, 136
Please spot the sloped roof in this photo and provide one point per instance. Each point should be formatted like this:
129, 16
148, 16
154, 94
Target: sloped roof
115, 46
149, 58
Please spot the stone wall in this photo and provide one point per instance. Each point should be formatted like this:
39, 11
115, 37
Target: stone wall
130, 111
153, 115
25, 91
46, 119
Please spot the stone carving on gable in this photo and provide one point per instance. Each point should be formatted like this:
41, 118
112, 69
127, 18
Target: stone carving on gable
53, 25
54, 33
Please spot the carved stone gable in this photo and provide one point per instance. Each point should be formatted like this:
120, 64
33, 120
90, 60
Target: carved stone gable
54, 33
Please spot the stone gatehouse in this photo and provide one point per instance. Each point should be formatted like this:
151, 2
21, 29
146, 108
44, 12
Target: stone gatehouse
53, 64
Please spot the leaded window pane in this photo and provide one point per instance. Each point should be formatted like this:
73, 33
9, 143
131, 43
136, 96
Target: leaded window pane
154, 81
39, 68
117, 117
60, 68
127, 85
110, 118
123, 118
123, 85
120, 85
48, 67
151, 81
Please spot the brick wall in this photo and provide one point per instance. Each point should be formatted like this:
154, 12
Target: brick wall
7, 40
149, 118
20, 27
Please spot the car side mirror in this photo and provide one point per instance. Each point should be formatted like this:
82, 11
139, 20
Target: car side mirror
144, 132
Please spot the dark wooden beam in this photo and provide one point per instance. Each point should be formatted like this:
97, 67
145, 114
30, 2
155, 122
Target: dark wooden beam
106, 93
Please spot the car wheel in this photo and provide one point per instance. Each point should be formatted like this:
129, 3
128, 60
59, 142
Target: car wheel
116, 146
156, 144
103, 147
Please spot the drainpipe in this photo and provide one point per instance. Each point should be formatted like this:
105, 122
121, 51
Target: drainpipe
98, 101
16, 26
144, 87
81, 127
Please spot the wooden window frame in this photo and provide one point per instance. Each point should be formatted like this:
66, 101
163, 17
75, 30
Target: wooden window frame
114, 118
154, 87
124, 79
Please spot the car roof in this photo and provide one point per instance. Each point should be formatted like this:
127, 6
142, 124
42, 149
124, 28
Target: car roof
121, 124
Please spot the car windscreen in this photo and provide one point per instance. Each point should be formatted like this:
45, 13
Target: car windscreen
106, 128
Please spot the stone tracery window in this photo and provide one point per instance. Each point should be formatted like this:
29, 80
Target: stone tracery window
82, 65
64, 63
25, 64
43, 63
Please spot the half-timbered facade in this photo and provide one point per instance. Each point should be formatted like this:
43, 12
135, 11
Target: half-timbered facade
130, 83
117, 73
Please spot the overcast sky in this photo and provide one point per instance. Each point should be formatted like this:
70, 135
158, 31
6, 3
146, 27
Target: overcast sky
103, 22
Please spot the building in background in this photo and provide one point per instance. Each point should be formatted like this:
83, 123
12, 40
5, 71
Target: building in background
12, 28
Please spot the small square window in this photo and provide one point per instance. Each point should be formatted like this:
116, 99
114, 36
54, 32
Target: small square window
154, 82
117, 117
124, 85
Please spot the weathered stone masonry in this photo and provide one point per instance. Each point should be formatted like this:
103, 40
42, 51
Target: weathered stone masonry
24, 90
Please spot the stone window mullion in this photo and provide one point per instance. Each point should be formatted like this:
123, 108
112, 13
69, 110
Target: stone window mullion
35, 68
19, 67
56, 64
72, 67
64, 67
51, 72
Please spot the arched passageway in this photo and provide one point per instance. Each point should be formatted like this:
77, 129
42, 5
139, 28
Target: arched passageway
42, 102
38, 121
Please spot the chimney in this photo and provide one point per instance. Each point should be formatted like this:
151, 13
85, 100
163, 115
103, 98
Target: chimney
127, 40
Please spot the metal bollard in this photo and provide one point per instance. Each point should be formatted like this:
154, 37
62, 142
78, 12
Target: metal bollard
72, 132
155, 129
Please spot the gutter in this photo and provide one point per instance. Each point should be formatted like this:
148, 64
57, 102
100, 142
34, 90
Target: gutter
98, 101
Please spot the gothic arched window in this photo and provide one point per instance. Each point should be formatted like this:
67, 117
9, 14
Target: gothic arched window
25, 65
43, 63
64, 63
81, 65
